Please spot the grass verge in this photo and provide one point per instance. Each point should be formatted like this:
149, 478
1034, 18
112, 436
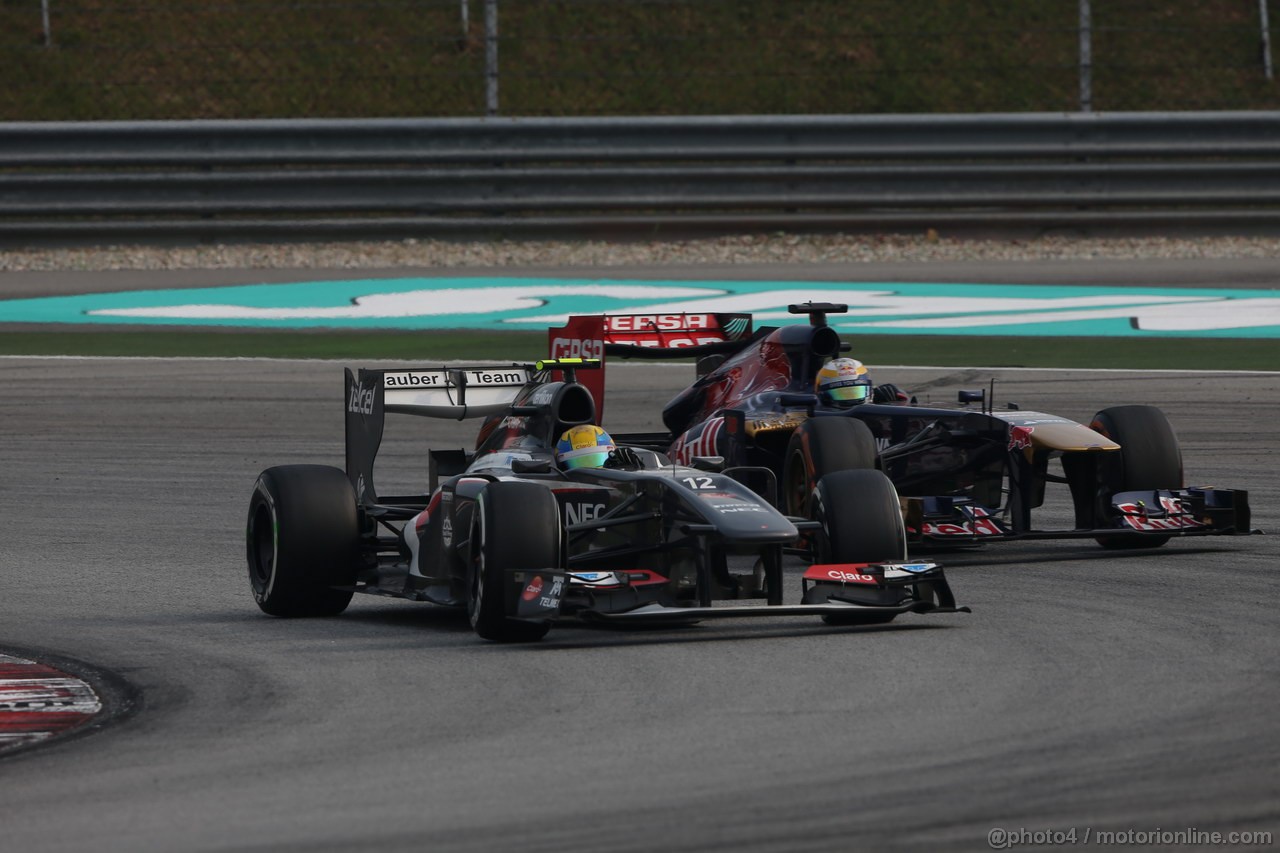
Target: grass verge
465, 345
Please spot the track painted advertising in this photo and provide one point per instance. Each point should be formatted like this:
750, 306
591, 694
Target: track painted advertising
38, 702
533, 303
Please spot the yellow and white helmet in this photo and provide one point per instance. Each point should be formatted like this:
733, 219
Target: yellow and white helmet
843, 382
584, 446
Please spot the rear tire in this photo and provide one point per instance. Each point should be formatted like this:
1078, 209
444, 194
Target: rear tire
302, 539
822, 446
517, 527
1149, 458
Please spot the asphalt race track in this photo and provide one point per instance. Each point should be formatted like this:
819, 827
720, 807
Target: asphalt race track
1088, 689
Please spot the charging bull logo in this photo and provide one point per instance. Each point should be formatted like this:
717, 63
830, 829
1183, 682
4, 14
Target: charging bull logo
1020, 438
1139, 516
978, 522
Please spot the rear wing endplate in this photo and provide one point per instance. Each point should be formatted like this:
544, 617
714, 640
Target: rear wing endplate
454, 393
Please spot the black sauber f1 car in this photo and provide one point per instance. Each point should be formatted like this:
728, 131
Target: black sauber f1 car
519, 542
966, 474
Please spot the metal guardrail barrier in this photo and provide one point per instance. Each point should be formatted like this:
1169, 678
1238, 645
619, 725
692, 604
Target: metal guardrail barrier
418, 177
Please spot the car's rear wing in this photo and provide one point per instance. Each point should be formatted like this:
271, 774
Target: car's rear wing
452, 392
653, 336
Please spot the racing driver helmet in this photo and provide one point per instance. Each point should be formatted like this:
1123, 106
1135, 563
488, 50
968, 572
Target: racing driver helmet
584, 446
843, 382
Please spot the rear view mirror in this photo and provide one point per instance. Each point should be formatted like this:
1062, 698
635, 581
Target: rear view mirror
708, 463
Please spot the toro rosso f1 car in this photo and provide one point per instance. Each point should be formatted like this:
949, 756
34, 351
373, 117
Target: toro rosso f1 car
519, 541
966, 474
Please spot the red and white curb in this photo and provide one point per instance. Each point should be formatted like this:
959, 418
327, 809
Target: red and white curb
38, 702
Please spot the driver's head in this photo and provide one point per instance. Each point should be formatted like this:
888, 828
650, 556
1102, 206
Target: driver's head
843, 382
583, 446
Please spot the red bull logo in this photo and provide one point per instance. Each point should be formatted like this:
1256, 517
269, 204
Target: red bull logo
1020, 437
1175, 514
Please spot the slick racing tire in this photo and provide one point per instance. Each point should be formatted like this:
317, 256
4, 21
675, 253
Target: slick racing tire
818, 447
302, 540
1149, 458
861, 519
517, 527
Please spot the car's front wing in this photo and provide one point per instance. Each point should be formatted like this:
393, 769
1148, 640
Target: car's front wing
847, 593
1154, 513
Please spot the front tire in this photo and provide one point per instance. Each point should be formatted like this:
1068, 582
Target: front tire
861, 519
517, 527
822, 446
302, 540
1149, 458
